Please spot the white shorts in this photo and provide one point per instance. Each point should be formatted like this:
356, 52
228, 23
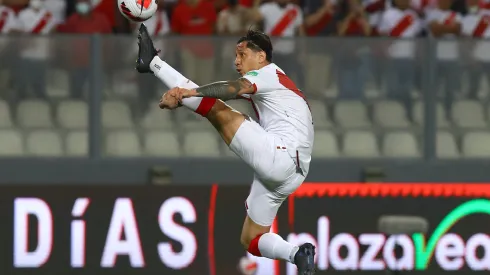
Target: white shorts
276, 175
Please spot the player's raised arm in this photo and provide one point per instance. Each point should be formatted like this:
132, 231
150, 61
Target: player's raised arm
224, 90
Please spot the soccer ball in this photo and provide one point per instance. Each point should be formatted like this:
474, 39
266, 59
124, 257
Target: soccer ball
247, 266
137, 10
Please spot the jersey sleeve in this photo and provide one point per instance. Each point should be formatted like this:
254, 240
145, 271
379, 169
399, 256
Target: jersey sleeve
260, 81
299, 18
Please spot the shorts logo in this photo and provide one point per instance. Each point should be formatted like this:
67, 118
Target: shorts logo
156, 66
252, 73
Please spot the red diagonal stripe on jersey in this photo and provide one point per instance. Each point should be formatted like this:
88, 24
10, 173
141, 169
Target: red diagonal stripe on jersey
481, 27
288, 17
402, 26
372, 7
450, 18
289, 84
3, 19
42, 23
159, 24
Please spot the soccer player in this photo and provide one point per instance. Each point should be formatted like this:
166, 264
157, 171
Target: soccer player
278, 149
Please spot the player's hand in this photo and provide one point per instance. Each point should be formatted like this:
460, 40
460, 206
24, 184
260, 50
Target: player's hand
184, 93
169, 100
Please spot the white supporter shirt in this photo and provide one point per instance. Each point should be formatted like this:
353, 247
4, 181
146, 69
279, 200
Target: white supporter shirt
40, 23
445, 50
478, 26
404, 24
282, 22
8, 21
283, 111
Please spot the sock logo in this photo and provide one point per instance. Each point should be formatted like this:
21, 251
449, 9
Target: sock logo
156, 66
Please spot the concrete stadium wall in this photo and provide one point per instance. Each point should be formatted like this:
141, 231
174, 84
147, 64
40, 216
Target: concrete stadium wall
206, 171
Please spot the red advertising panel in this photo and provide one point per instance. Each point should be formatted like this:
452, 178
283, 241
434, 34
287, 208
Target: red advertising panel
195, 229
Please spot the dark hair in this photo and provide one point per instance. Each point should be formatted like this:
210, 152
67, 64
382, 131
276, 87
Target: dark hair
258, 41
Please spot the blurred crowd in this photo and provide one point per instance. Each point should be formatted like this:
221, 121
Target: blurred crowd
285, 19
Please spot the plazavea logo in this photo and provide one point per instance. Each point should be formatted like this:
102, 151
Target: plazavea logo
448, 250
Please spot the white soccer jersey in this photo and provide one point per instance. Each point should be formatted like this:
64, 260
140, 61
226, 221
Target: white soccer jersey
478, 26
34, 22
446, 50
403, 24
281, 22
282, 109
8, 22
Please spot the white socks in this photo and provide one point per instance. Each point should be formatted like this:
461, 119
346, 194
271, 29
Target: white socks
172, 78
272, 246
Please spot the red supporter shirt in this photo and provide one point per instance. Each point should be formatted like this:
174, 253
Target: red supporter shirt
96, 23
195, 20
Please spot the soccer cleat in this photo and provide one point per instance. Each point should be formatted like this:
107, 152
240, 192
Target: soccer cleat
305, 259
146, 50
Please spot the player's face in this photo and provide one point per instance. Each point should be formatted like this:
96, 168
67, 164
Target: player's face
247, 60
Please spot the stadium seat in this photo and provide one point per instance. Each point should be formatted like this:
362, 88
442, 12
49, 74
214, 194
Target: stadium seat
227, 152
320, 114
5, 118
157, 118
116, 114
351, 114
72, 114
360, 144
469, 114
190, 120
201, 144
77, 144
390, 114
34, 114
44, 143
418, 114
243, 106
162, 144
11, 143
400, 145
326, 145
123, 143
476, 145
446, 145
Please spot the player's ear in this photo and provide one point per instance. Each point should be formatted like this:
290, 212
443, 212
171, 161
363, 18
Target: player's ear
262, 57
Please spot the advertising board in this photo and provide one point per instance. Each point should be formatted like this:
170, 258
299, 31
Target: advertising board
195, 230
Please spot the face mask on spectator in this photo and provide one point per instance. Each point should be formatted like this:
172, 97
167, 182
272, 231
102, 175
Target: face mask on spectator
36, 4
83, 8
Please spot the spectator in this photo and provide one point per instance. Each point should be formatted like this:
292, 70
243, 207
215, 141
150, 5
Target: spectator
375, 9
401, 22
477, 25
284, 20
351, 60
445, 24
158, 26
196, 17
319, 21
57, 9
84, 21
35, 20
234, 22
8, 21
